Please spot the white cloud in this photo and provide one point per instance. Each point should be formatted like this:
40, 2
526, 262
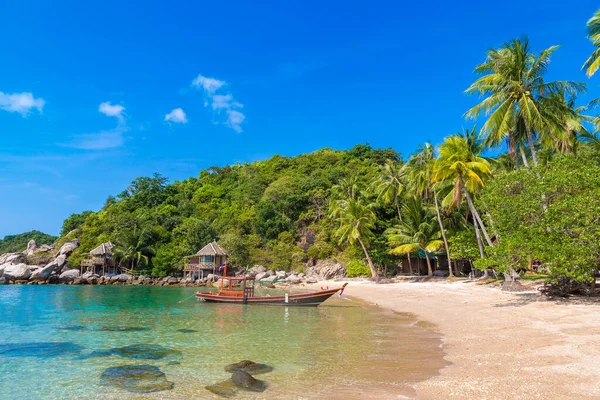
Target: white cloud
210, 85
221, 102
235, 119
20, 102
111, 110
177, 116
98, 141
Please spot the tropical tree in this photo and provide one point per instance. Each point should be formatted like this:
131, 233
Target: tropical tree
420, 167
564, 136
418, 231
357, 222
513, 85
593, 62
466, 171
132, 248
389, 184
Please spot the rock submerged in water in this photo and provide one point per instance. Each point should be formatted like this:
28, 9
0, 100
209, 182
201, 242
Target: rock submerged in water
136, 378
246, 381
239, 381
249, 367
186, 331
138, 351
39, 349
123, 329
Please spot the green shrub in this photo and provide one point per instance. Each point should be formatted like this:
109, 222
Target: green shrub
356, 268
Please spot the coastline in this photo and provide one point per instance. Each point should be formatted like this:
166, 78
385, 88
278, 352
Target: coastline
500, 345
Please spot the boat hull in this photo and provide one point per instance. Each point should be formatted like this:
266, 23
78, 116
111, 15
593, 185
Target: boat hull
311, 299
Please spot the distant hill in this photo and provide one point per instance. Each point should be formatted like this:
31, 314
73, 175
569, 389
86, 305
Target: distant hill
13, 243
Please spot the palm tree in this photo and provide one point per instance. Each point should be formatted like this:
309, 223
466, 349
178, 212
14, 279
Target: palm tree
420, 175
513, 84
132, 248
593, 62
457, 164
417, 232
389, 184
564, 136
357, 222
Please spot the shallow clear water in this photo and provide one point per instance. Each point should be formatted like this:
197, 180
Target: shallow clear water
342, 349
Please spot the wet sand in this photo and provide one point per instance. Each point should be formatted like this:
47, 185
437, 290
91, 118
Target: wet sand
500, 345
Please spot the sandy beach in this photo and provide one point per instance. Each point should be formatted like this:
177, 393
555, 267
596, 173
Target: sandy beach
500, 345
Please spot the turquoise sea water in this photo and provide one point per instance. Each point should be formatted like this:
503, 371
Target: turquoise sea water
55, 341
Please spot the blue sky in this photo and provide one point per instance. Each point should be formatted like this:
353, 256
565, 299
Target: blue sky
95, 94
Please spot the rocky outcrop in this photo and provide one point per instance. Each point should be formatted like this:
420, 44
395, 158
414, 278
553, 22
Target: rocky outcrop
68, 276
326, 270
12, 258
257, 269
17, 272
44, 273
67, 248
31, 248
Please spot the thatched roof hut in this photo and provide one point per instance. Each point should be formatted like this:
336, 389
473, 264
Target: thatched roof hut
212, 249
105, 249
209, 258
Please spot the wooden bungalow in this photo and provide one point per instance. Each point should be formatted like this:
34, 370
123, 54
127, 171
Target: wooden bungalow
206, 261
100, 261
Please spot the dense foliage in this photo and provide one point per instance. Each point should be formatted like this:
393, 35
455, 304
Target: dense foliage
272, 212
14, 243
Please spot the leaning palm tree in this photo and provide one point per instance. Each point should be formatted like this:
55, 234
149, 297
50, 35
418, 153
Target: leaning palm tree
418, 232
458, 165
420, 172
513, 84
389, 184
132, 248
357, 222
593, 62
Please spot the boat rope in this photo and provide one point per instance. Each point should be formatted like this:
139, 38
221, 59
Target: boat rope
179, 302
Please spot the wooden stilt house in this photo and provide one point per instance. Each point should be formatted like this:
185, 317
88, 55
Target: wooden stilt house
206, 261
100, 261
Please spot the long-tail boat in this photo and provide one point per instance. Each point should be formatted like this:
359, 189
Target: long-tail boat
240, 290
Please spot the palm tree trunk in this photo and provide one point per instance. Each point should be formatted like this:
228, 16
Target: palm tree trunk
410, 264
476, 216
371, 266
512, 149
479, 241
533, 152
439, 218
524, 157
491, 221
398, 208
429, 270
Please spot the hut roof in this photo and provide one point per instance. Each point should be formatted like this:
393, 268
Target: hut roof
212, 249
105, 249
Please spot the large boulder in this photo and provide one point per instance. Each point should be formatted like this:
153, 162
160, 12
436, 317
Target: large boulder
261, 275
67, 248
44, 273
293, 279
13, 258
326, 270
31, 247
68, 276
17, 272
257, 269
121, 278
280, 274
45, 248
